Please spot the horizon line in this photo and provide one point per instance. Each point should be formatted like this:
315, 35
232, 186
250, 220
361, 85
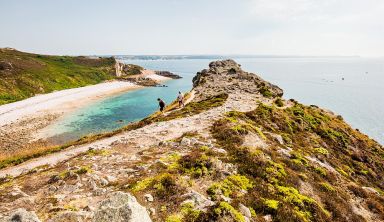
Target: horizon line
235, 55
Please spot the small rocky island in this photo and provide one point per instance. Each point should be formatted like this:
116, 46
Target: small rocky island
237, 151
140, 76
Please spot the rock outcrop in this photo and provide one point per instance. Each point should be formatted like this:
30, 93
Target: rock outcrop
168, 74
121, 207
227, 77
21, 215
123, 69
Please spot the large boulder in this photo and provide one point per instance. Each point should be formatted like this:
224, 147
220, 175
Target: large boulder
21, 215
120, 207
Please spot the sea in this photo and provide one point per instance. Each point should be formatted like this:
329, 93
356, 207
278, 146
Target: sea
352, 87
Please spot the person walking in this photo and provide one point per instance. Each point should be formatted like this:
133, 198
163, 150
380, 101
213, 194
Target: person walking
180, 99
161, 104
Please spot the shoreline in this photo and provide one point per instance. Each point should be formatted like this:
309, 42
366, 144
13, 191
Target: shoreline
68, 99
23, 123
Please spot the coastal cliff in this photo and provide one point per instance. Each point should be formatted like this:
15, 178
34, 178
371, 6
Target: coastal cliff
24, 75
237, 151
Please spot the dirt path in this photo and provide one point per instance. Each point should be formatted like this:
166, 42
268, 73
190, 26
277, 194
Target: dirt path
146, 136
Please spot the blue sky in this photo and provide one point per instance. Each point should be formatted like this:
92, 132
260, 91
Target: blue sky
277, 27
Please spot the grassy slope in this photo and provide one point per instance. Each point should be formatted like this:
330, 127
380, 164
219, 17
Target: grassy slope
289, 188
36, 74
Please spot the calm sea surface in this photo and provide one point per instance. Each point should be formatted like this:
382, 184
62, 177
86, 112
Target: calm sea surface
359, 98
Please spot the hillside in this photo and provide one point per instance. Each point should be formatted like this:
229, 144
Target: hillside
236, 152
24, 75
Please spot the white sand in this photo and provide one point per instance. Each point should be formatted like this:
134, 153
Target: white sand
157, 77
60, 101
148, 73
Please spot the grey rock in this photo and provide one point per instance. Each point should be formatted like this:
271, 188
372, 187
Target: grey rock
285, 152
92, 184
103, 182
52, 188
99, 191
185, 141
69, 216
219, 150
111, 179
59, 197
268, 218
69, 188
245, 211
224, 168
16, 192
120, 207
22, 215
278, 138
197, 199
194, 141
226, 199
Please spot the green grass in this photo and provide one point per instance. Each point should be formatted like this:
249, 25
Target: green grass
37, 74
277, 178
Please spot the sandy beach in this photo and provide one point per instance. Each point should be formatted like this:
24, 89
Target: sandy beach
60, 101
21, 122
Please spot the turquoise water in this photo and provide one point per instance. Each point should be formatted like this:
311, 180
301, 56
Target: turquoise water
358, 98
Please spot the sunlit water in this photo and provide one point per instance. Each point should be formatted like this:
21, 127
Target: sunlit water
358, 98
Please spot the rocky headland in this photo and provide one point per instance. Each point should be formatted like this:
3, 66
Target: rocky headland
143, 77
236, 152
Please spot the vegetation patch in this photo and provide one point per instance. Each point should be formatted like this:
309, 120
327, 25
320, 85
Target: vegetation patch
190, 214
275, 177
320, 170
33, 74
327, 187
279, 102
322, 151
231, 186
265, 92
225, 208
164, 185
271, 205
196, 164
83, 170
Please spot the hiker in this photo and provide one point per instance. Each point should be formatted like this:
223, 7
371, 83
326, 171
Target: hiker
180, 99
161, 104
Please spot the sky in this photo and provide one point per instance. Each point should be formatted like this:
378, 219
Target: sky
149, 27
